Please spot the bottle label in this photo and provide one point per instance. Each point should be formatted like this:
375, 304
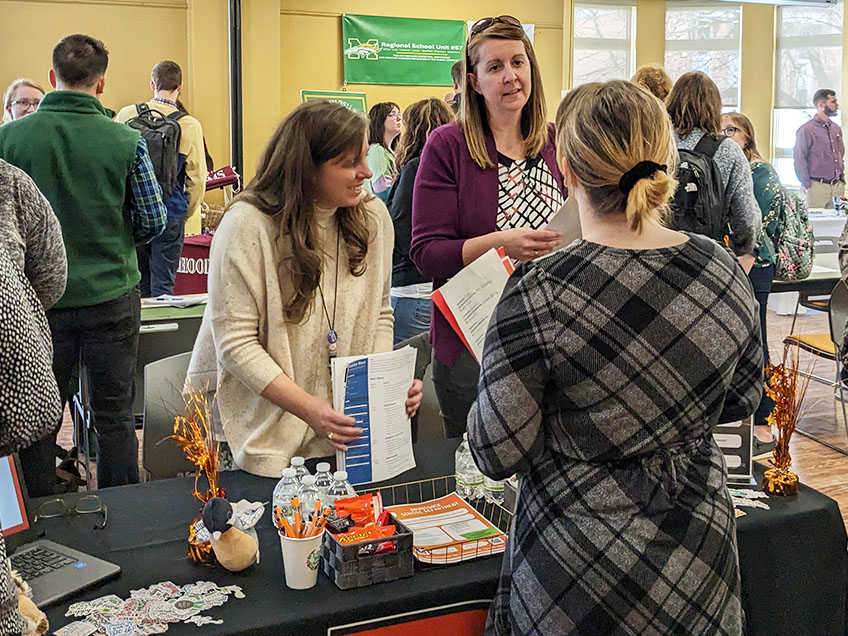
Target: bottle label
491, 484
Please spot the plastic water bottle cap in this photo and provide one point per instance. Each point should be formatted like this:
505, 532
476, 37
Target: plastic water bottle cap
323, 467
340, 475
309, 480
297, 461
289, 472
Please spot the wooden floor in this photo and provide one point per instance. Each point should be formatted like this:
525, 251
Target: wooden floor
817, 465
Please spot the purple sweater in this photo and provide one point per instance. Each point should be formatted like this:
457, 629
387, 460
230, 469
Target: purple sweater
454, 200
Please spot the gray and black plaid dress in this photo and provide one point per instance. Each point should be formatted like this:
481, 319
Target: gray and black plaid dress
603, 375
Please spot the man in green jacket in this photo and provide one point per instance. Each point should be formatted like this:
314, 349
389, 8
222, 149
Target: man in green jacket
98, 177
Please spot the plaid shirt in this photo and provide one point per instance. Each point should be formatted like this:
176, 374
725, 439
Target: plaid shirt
149, 215
603, 375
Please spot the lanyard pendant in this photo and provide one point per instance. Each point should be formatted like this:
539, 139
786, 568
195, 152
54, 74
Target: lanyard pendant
332, 340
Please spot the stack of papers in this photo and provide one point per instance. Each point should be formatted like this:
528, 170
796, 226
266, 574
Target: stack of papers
449, 530
166, 300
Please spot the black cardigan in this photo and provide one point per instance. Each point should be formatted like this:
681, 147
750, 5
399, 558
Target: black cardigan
404, 271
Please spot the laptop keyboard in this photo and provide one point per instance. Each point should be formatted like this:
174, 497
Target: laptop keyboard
38, 561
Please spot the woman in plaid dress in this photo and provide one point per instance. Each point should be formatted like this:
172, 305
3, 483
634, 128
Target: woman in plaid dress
606, 367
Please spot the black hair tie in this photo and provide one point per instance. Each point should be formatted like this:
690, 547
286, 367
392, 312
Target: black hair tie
641, 170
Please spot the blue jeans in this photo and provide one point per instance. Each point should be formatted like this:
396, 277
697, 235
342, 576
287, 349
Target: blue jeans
158, 260
412, 316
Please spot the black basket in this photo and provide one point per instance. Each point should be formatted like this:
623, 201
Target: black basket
348, 570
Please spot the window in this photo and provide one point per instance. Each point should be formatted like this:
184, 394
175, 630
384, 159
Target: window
809, 57
705, 37
603, 42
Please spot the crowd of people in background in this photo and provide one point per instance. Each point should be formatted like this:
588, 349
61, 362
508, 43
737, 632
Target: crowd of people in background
607, 363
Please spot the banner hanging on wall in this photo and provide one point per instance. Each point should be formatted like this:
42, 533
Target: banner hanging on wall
405, 51
354, 101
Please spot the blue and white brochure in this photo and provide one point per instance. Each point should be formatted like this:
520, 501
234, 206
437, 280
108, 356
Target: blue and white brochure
373, 389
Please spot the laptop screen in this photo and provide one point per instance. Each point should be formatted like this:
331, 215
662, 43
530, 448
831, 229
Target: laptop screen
13, 516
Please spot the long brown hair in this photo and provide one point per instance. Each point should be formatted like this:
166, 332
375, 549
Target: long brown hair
694, 102
604, 130
284, 188
744, 124
474, 117
420, 120
377, 123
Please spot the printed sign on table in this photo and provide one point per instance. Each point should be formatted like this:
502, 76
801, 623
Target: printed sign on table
401, 51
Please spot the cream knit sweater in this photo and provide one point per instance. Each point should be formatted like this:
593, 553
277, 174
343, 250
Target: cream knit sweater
245, 340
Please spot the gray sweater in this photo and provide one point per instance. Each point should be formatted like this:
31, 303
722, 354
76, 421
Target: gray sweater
30, 232
744, 214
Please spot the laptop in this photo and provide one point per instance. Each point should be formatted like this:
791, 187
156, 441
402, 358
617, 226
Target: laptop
53, 571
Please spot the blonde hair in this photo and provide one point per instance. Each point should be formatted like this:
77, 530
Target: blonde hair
604, 130
474, 116
744, 124
9, 95
653, 79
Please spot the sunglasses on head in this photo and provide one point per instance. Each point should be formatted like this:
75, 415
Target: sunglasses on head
484, 23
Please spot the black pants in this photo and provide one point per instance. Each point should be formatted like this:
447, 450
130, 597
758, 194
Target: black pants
761, 278
104, 338
456, 390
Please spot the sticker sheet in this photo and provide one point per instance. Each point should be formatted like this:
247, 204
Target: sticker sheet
148, 611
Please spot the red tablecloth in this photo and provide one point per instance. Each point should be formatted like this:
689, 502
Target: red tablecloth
194, 265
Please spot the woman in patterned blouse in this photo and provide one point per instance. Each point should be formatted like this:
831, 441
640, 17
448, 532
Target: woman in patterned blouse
606, 368
771, 198
488, 180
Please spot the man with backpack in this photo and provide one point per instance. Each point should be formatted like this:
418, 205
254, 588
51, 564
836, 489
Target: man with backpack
715, 192
98, 178
175, 142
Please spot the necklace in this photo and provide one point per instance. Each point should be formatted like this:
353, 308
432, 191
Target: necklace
332, 335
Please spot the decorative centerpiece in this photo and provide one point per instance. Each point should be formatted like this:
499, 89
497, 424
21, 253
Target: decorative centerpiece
193, 433
787, 387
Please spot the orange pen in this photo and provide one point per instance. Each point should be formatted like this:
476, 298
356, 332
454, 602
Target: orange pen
295, 502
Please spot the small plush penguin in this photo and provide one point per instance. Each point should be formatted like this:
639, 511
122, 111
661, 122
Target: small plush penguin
234, 542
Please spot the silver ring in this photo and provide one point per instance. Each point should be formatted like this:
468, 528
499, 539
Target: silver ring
330, 437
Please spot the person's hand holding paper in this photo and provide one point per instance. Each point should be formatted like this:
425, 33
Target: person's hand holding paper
525, 244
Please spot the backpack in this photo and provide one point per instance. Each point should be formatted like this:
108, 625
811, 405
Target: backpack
794, 243
699, 204
162, 135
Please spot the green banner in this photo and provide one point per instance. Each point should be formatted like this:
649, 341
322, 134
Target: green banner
407, 51
354, 101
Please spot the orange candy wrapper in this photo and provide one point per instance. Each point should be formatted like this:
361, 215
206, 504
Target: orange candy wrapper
363, 510
357, 534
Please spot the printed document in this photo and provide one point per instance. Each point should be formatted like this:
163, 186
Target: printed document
468, 300
373, 390
449, 530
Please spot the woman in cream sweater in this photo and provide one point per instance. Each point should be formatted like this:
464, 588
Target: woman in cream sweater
300, 269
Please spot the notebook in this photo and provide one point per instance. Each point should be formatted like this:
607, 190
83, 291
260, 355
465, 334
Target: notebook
53, 571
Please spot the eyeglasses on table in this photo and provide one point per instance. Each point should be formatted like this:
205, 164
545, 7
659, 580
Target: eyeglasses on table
85, 505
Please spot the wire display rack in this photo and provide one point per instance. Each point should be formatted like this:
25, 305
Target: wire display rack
424, 490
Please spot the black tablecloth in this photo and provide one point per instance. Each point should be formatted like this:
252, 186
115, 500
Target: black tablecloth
793, 559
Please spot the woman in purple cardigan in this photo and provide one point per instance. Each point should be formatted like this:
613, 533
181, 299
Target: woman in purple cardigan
489, 180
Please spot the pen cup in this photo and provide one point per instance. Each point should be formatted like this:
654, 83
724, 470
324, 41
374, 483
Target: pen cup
301, 558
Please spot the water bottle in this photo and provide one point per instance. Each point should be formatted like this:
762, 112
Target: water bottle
323, 477
300, 469
340, 488
308, 495
285, 489
494, 490
469, 479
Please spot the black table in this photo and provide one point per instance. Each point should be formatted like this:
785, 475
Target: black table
793, 559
